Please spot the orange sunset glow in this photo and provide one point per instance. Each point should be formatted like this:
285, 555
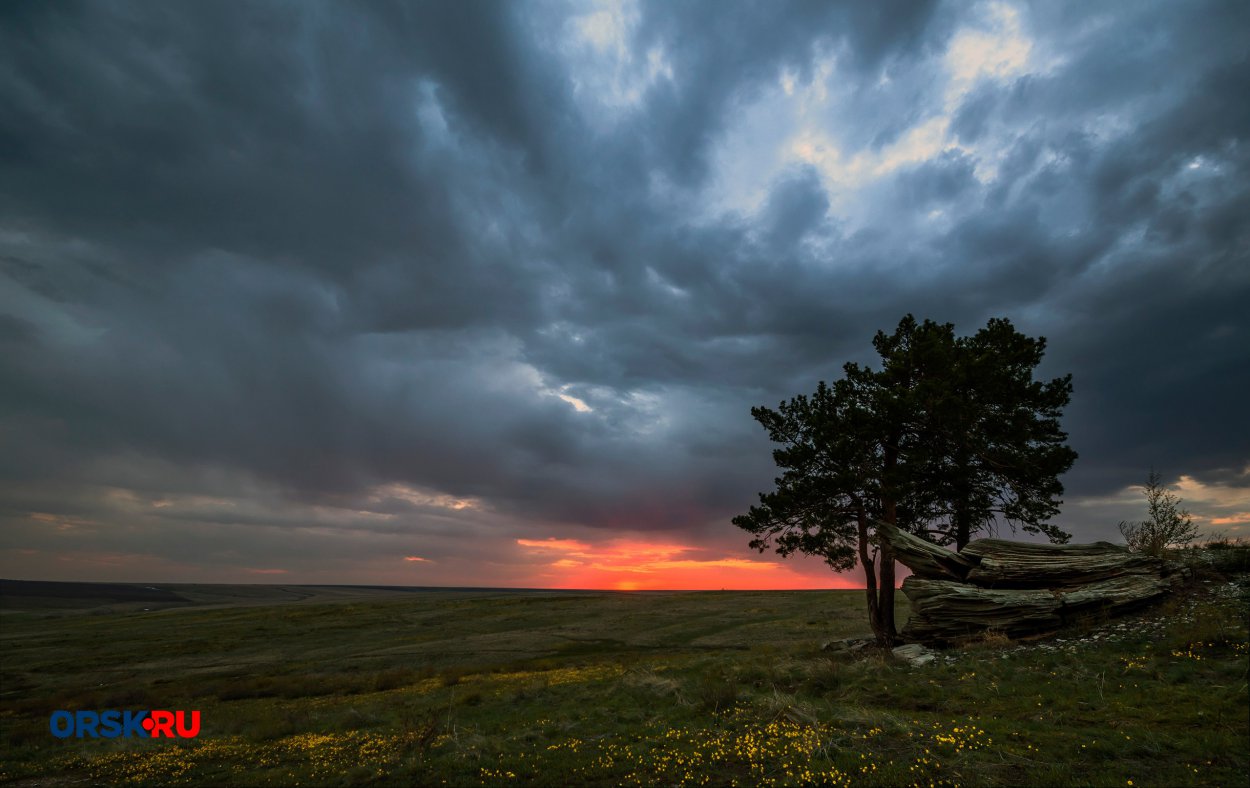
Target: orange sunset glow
624, 565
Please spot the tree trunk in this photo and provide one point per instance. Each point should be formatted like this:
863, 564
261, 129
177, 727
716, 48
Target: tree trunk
963, 514
875, 620
889, 634
963, 528
880, 593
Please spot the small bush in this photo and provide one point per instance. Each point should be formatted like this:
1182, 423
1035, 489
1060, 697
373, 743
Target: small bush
1168, 525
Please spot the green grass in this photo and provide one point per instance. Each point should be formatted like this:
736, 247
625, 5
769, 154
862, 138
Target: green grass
610, 689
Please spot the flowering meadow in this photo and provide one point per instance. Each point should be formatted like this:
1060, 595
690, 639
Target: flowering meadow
728, 688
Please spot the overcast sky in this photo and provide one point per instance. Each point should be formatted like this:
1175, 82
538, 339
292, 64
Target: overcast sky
482, 293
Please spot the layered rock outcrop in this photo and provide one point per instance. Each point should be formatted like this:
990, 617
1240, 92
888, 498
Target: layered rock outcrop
1017, 588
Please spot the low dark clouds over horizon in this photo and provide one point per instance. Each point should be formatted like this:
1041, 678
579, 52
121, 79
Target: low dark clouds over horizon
299, 291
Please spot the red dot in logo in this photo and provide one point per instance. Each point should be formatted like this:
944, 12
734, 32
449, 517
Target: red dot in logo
148, 723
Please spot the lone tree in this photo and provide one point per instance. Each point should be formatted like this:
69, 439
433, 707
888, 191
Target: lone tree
950, 435
1167, 525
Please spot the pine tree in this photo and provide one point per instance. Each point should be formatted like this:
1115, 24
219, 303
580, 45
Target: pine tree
948, 435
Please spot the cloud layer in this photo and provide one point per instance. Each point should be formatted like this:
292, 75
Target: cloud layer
300, 290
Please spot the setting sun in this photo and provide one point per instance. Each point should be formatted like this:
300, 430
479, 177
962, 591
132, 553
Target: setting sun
628, 565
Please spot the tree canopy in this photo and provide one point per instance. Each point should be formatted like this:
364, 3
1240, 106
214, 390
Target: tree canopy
950, 436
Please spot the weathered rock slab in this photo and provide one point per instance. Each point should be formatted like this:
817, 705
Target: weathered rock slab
1017, 588
944, 610
1116, 595
1004, 564
923, 558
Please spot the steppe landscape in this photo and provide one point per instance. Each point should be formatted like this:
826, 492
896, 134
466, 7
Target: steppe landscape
358, 686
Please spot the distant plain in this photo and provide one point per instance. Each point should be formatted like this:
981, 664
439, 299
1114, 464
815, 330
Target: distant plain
338, 685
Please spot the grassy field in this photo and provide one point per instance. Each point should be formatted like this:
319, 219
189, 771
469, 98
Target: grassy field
342, 686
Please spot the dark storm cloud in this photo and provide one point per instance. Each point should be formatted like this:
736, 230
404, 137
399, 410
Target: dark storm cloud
722, 54
1148, 287
268, 118
937, 182
535, 257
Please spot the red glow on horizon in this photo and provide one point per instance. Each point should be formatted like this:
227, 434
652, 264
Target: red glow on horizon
623, 565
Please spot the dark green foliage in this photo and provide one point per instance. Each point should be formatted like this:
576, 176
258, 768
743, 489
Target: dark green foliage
996, 448
948, 437
825, 480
